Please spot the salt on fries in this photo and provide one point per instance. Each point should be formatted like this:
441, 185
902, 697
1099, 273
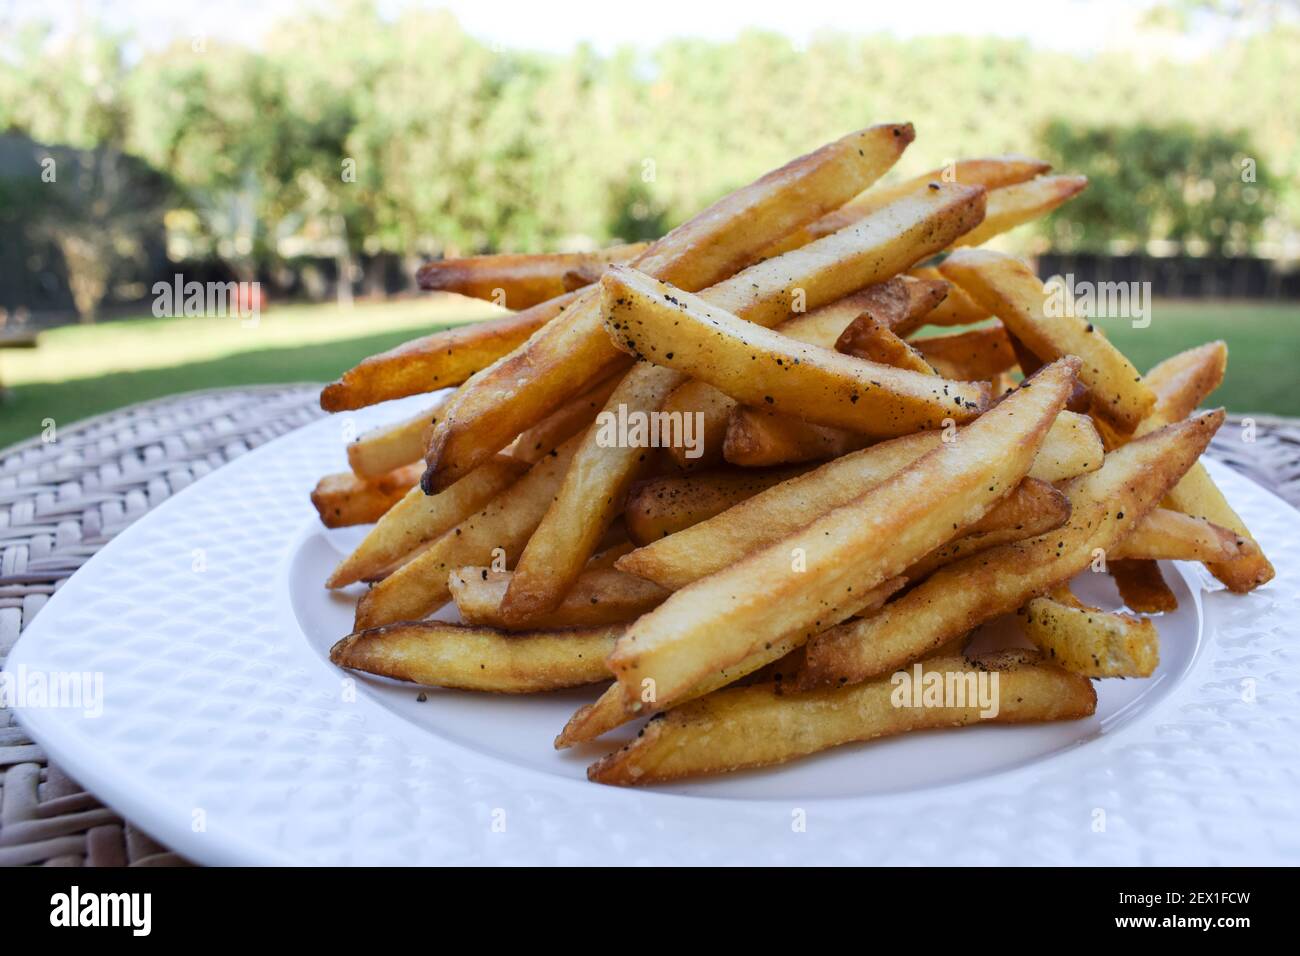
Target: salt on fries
721, 477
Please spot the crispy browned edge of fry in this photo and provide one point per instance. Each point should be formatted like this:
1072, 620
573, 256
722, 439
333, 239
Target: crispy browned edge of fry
525, 279
599, 596
1142, 586
343, 499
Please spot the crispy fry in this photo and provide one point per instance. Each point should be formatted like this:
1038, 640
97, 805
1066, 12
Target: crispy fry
565, 357
1170, 535
1105, 505
1142, 586
867, 338
597, 597
388, 447
805, 582
1198, 495
610, 710
757, 726
343, 499
419, 587
439, 654
957, 308
1088, 641
977, 354
1008, 289
901, 303
1013, 205
991, 173
436, 361
662, 506
520, 281
684, 332
418, 519
566, 421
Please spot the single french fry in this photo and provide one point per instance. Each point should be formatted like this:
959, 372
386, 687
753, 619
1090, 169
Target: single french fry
1014, 205
439, 654
867, 338
597, 597
1011, 291
383, 449
1181, 382
805, 582
662, 506
610, 710
957, 308
677, 330
976, 354
607, 463
519, 281
1198, 495
419, 587
418, 519
990, 172
562, 359
1170, 535
1141, 585
436, 361
1088, 641
343, 499
566, 421
1105, 506
757, 726
901, 303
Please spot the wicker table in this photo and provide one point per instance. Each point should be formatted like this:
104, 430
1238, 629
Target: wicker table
62, 500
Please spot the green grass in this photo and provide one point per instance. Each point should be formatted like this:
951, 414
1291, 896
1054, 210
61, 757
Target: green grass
79, 371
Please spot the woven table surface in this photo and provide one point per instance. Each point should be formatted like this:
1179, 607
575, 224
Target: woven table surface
62, 500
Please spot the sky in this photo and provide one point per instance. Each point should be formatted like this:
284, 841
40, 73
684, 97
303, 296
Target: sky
1081, 26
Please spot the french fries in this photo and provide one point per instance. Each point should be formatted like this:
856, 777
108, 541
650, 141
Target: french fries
597, 597
571, 495
759, 726
1105, 506
436, 361
726, 616
1008, 289
1088, 641
389, 447
566, 357
343, 499
438, 654
653, 320
520, 281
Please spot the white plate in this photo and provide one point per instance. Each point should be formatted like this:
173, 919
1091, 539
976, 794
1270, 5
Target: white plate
228, 735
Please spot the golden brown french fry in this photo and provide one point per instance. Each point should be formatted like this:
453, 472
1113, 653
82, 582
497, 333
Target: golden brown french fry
343, 499
662, 506
439, 654
1170, 535
957, 308
498, 531
1010, 290
1181, 382
757, 726
674, 329
564, 358
901, 303
566, 421
610, 710
977, 354
805, 582
519, 281
1088, 641
418, 519
1141, 585
1105, 506
991, 172
597, 597
1198, 495
383, 449
436, 361
607, 464
1011, 206
867, 338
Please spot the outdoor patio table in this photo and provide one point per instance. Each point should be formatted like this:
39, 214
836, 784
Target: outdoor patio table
61, 501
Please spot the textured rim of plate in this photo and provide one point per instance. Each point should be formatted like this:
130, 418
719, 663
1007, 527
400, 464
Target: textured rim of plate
284, 772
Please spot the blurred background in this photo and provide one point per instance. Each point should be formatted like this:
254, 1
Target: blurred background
325, 149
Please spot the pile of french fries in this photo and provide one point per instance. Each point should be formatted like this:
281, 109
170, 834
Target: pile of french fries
839, 498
